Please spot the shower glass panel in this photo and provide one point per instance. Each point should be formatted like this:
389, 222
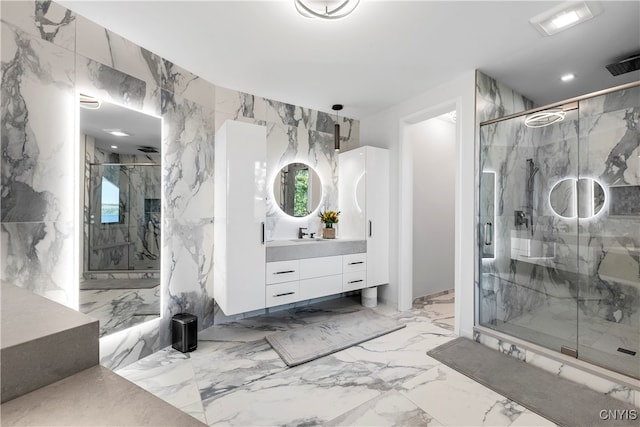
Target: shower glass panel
124, 217
609, 304
566, 271
529, 288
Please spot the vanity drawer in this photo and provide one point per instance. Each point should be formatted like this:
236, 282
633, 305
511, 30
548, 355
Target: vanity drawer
320, 286
354, 262
282, 293
282, 271
354, 280
318, 267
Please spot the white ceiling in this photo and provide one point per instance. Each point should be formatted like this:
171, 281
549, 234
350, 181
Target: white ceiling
384, 53
144, 130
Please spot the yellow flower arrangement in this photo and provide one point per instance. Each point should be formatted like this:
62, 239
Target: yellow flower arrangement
329, 218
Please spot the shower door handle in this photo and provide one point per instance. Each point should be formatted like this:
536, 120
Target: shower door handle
488, 228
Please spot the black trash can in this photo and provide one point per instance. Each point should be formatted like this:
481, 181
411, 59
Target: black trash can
184, 332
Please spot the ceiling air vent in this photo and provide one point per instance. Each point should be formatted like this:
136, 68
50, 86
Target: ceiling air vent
147, 149
628, 65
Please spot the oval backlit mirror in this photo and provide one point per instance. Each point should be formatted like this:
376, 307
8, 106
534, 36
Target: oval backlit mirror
582, 198
297, 189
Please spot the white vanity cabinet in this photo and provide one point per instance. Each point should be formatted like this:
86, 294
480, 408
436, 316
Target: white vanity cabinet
298, 280
363, 200
320, 277
282, 271
354, 271
282, 285
239, 209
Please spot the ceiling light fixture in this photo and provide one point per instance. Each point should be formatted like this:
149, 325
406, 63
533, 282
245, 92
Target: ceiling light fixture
325, 9
336, 127
114, 147
117, 132
567, 77
565, 19
544, 118
89, 102
564, 16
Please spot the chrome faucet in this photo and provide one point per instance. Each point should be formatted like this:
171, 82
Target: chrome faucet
301, 233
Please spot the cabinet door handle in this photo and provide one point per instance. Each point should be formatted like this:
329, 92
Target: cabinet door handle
357, 262
356, 281
283, 294
284, 272
488, 238
263, 233
370, 228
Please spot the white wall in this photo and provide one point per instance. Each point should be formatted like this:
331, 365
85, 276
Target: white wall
388, 129
433, 144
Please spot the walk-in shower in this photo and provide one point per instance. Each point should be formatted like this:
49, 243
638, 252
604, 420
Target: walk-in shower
124, 217
561, 265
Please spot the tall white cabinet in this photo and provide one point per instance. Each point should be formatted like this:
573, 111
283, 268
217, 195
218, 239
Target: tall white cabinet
240, 211
363, 184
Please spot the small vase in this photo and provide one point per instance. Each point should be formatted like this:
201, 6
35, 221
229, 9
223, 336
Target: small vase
328, 233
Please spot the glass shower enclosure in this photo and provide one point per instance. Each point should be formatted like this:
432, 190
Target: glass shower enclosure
559, 227
124, 217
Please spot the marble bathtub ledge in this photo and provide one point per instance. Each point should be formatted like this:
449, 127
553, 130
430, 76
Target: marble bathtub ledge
113, 401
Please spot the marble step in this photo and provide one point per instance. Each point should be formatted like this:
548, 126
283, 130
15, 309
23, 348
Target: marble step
93, 397
42, 342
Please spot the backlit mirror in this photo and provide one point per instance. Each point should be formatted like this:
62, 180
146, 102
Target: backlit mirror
572, 197
297, 189
121, 202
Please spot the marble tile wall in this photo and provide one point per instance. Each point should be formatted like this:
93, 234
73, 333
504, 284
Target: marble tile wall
37, 217
552, 268
49, 54
493, 100
294, 134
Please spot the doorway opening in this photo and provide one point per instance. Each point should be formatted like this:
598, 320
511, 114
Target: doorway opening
429, 151
433, 143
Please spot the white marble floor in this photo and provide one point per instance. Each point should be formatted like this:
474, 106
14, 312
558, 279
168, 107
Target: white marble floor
235, 378
122, 306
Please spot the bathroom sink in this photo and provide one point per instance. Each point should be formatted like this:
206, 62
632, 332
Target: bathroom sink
290, 249
294, 242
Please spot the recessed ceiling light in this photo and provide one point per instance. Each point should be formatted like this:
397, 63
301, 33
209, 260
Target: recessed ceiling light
565, 19
564, 16
567, 77
114, 146
116, 132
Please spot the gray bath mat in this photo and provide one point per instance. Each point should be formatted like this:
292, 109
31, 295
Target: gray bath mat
562, 401
310, 342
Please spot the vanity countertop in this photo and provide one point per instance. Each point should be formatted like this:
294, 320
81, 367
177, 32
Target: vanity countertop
283, 250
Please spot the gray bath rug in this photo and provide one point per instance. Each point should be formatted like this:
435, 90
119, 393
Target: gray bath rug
310, 342
562, 401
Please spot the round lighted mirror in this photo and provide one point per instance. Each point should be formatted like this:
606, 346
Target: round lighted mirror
582, 198
297, 189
